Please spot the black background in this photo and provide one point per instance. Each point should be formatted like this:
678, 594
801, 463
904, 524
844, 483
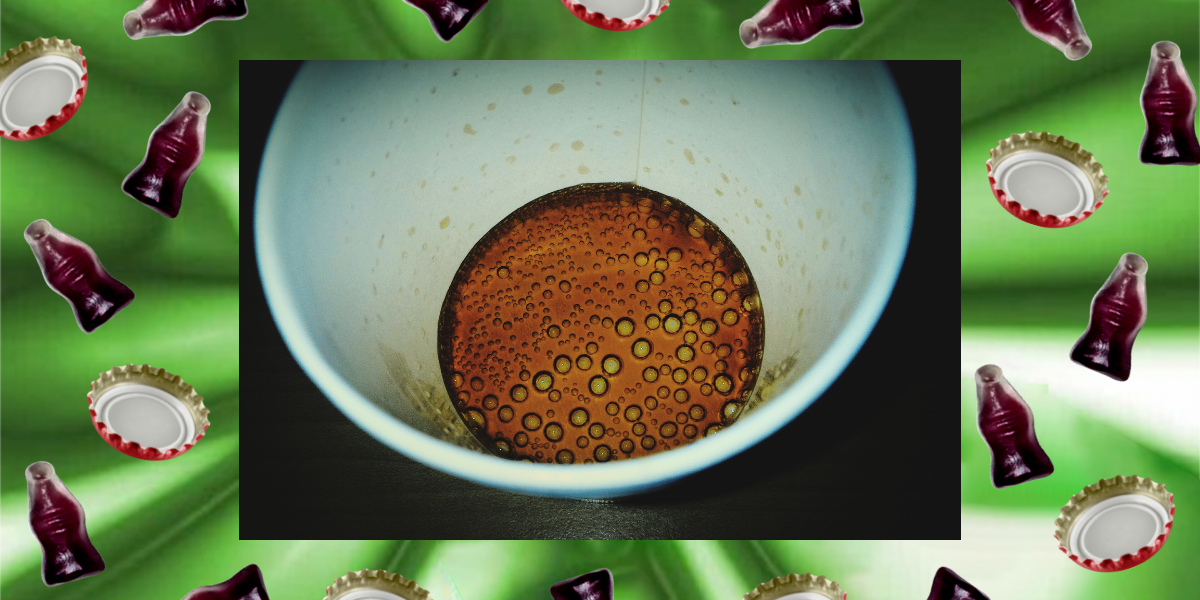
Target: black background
876, 457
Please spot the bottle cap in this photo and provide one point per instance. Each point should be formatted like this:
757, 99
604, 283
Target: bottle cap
1046, 180
369, 584
1115, 524
146, 412
617, 15
42, 84
798, 587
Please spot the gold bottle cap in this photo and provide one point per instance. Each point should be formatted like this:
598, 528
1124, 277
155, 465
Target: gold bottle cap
42, 84
798, 587
616, 15
1046, 180
369, 584
1115, 524
146, 412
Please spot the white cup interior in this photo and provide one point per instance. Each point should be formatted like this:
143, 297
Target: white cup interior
378, 178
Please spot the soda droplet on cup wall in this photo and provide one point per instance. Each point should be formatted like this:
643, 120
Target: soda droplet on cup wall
179, 17
57, 520
1169, 105
1055, 22
71, 268
1118, 314
1006, 424
175, 149
798, 21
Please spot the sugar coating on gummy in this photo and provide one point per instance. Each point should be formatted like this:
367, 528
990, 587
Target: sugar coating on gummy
247, 584
1169, 106
1055, 22
947, 585
616, 15
597, 585
449, 17
1006, 424
798, 21
57, 520
179, 17
174, 151
1117, 315
73, 270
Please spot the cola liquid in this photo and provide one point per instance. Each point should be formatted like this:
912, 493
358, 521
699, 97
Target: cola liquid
1055, 22
175, 149
1118, 314
798, 21
449, 17
597, 585
179, 17
72, 269
1169, 105
947, 585
1006, 423
246, 585
57, 520
600, 322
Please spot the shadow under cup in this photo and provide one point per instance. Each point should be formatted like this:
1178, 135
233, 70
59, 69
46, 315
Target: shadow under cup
379, 178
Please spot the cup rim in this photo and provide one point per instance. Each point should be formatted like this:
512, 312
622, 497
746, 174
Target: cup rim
591, 481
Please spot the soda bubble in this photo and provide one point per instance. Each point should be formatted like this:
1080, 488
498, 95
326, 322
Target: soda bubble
71, 269
173, 153
1118, 314
1169, 103
796, 22
57, 520
1055, 22
179, 17
569, 243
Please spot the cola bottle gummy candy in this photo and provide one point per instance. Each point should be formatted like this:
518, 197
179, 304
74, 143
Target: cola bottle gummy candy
72, 269
1169, 103
1055, 22
797, 21
175, 149
1118, 313
57, 520
246, 585
1006, 423
597, 585
179, 17
448, 17
947, 585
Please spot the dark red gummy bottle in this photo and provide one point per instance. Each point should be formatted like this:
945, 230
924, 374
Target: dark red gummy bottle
597, 585
947, 585
246, 585
1118, 314
1006, 423
797, 21
175, 149
448, 17
57, 520
72, 269
1055, 22
179, 17
1169, 105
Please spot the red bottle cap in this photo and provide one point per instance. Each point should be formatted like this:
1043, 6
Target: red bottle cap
617, 15
1046, 180
798, 587
42, 84
1115, 524
147, 413
370, 584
